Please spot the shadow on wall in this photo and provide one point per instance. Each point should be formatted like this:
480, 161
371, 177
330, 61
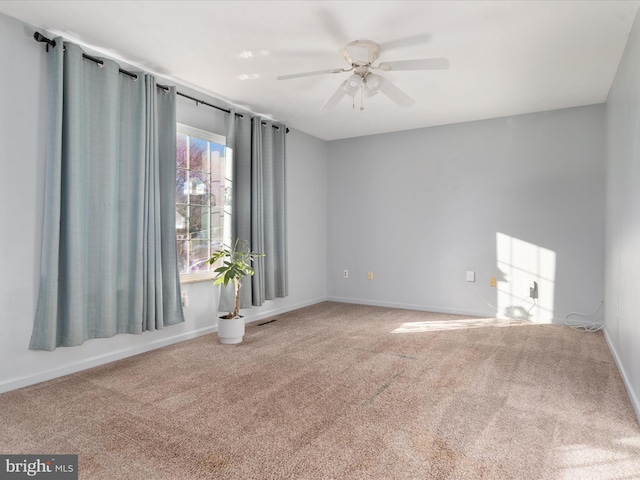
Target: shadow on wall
522, 263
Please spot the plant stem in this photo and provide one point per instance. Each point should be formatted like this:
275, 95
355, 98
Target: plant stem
236, 310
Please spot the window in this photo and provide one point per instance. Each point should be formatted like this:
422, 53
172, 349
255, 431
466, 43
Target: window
203, 194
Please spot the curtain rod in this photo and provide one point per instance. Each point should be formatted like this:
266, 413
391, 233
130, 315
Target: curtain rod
38, 37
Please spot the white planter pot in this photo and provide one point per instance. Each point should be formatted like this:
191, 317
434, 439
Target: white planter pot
230, 331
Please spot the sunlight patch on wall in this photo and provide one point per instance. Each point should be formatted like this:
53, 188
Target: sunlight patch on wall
520, 263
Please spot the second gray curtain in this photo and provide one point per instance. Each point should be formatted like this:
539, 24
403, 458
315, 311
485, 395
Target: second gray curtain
259, 213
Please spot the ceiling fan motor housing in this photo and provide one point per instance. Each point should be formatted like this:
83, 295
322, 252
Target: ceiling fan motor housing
361, 53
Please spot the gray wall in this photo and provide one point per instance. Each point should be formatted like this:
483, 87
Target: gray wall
622, 273
519, 198
23, 113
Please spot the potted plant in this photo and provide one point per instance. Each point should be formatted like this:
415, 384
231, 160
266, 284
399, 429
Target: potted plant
236, 265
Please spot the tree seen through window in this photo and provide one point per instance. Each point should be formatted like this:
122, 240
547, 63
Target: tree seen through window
202, 181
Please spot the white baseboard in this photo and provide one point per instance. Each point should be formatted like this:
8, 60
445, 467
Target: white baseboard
250, 318
84, 364
635, 401
408, 306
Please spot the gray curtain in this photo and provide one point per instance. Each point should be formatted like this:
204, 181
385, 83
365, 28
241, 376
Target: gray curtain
109, 262
259, 213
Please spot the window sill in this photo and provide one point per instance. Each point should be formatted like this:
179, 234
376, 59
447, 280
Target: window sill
184, 279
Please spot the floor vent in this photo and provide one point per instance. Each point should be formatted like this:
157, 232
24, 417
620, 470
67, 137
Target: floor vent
270, 321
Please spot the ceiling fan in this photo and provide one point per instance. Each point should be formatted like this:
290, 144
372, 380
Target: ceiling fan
360, 55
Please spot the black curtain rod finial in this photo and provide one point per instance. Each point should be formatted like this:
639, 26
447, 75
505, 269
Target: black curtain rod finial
42, 39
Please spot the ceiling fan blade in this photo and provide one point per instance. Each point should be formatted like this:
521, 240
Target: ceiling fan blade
395, 94
336, 97
417, 64
409, 41
310, 74
333, 26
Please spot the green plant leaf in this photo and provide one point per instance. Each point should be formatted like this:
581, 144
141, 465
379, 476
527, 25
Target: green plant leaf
236, 263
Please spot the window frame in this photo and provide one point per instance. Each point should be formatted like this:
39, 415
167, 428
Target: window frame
220, 140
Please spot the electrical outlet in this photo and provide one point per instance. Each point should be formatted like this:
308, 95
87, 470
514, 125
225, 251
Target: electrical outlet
533, 289
370, 275
345, 274
492, 281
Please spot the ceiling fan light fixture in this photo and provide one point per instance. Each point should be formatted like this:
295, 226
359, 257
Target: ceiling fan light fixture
372, 83
353, 84
370, 93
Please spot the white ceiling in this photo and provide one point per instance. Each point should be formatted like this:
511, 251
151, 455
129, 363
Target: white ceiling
507, 57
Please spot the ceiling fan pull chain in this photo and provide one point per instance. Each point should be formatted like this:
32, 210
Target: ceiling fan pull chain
361, 98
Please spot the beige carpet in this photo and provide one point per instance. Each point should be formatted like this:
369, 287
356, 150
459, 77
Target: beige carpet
338, 391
